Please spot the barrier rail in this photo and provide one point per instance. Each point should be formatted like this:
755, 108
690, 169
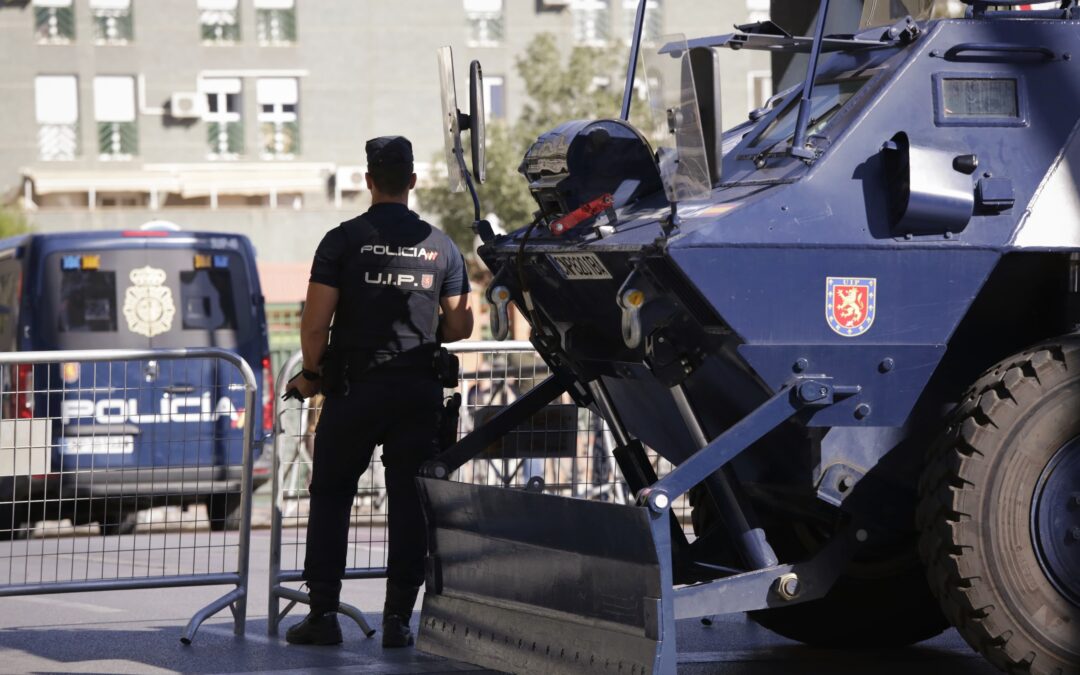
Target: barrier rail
568, 447
153, 445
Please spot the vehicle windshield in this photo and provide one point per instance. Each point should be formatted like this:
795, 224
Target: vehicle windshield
886, 12
829, 97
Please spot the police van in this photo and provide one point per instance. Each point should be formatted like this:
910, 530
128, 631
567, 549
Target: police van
125, 436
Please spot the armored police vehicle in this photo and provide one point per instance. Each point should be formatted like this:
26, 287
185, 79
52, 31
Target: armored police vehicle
849, 322
129, 435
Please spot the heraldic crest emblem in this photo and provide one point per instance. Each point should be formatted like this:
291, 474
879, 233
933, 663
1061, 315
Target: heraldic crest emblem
850, 304
148, 303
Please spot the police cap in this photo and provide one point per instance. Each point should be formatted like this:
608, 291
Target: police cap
389, 151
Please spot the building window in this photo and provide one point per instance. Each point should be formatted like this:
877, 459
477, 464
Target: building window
57, 103
54, 21
654, 20
224, 121
494, 97
279, 123
275, 22
112, 21
114, 111
759, 88
592, 22
485, 21
219, 21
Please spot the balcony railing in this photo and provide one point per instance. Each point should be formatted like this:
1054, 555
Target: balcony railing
118, 140
486, 29
58, 142
280, 140
226, 139
275, 26
113, 26
220, 26
55, 25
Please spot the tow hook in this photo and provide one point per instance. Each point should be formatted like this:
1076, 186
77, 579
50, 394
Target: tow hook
499, 297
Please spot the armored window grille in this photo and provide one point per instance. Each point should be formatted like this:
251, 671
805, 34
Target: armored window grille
57, 103
275, 22
54, 21
223, 117
279, 120
485, 21
112, 21
592, 22
219, 21
114, 111
654, 20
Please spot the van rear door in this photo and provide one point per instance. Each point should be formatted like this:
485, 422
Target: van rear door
147, 414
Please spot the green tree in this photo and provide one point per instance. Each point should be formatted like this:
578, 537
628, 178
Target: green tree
12, 222
586, 85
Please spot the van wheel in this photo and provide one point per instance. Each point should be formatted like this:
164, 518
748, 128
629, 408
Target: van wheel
1000, 513
225, 513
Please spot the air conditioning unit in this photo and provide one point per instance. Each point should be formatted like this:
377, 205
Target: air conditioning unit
187, 105
350, 179
554, 4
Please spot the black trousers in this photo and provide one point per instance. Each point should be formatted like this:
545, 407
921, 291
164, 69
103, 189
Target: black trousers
400, 410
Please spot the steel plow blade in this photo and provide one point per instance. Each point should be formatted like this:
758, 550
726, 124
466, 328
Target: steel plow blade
532, 583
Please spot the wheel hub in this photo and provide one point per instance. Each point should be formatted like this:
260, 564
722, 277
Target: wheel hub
1056, 520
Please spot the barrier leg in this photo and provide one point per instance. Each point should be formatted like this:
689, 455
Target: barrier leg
237, 595
343, 608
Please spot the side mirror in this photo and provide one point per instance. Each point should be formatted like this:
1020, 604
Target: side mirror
477, 123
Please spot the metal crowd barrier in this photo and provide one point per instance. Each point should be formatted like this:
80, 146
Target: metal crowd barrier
149, 448
566, 446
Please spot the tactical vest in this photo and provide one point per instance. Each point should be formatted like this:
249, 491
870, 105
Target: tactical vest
390, 285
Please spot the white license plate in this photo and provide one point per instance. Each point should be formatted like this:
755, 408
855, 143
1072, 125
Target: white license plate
99, 445
574, 266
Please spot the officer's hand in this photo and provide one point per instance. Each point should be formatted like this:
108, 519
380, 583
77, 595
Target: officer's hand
303, 387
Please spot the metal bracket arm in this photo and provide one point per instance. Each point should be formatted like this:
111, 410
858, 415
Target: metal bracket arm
451, 459
744, 433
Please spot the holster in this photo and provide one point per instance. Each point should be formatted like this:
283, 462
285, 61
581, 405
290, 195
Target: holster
448, 421
446, 365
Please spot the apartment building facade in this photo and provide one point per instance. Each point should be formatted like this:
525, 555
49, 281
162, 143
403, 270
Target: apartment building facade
251, 115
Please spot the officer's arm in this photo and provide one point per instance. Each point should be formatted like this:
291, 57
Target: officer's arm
456, 321
315, 323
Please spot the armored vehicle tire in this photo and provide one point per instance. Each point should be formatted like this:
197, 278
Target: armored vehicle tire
851, 614
1000, 498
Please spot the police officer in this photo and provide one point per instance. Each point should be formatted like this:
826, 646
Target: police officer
395, 288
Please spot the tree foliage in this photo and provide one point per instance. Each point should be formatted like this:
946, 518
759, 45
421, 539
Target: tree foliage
584, 85
12, 222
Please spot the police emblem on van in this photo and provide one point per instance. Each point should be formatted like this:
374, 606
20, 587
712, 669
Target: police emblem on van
148, 304
850, 304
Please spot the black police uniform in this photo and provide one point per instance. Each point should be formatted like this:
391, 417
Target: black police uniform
391, 269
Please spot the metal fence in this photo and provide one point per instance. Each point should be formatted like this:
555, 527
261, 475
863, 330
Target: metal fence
570, 448
127, 469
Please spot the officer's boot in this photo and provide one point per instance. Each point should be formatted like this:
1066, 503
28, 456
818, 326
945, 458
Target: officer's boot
320, 626
397, 611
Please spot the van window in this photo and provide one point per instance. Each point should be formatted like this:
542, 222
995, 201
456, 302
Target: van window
172, 296
10, 290
87, 301
207, 298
